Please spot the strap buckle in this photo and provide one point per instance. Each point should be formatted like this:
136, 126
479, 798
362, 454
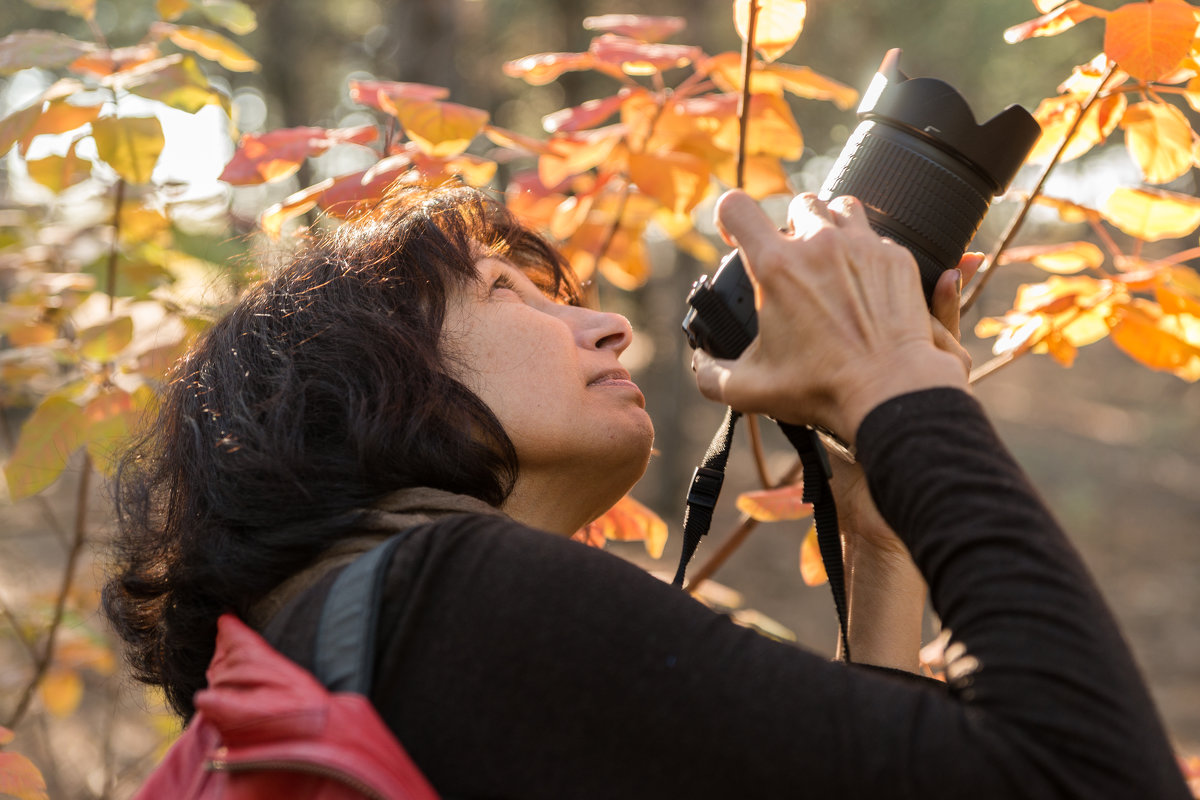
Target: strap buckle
705, 488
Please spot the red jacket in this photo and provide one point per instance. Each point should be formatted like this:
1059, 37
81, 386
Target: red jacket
265, 728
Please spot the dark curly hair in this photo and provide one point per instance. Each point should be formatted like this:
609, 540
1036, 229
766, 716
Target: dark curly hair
324, 389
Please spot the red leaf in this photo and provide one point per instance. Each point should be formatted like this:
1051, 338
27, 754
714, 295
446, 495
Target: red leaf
368, 93
635, 26
641, 58
584, 116
439, 129
629, 521
279, 153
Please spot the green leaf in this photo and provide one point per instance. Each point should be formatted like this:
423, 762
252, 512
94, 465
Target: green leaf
54, 431
105, 341
80, 8
45, 49
130, 145
231, 15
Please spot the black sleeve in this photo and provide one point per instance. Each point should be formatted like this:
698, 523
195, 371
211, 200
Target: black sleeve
518, 664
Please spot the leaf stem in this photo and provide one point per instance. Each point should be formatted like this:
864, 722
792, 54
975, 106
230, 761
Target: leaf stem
744, 101
736, 538
110, 275
985, 271
760, 459
64, 590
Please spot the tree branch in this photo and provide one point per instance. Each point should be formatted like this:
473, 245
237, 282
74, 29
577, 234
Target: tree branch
744, 101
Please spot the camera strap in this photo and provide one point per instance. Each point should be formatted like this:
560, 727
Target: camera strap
706, 488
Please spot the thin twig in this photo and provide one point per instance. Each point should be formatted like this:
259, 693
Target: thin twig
15, 623
114, 250
64, 590
744, 101
734, 540
985, 271
760, 458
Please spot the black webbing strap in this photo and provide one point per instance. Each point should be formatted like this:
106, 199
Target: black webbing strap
817, 491
704, 491
345, 648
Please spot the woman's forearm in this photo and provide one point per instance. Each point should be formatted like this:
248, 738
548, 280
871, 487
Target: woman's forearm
886, 598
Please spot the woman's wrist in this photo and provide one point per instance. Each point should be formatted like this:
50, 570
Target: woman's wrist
886, 595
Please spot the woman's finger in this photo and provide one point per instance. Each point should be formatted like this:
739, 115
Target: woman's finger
947, 340
743, 223
944, 306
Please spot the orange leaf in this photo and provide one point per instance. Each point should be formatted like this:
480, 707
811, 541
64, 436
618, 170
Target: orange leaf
16, 125
762, 177
367, 93
774, 505
1149, 40
812, 567
533, 203
630, 521
1057, 294
1086, 77
772, 131
61, 691
635, 26
586, 115
540, 69
19, 778
1160, 140
60, 117
1060, 348
207, 44
625, 263
106, 62
293, 205
725, 69
440, 129
277, 154
804, 82
1063, 18
574, 153
1181, 292
1162, 342
514, 141
1046, 6
641, 58
1063, 259
777, 28
677, 180
1056, 115
1068, 211
1152, 214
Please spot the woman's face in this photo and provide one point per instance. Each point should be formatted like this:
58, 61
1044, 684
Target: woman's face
551, 375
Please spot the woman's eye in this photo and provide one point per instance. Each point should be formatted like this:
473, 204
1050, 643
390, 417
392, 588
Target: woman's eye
503, 282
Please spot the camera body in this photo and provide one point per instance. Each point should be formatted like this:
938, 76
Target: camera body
925, 173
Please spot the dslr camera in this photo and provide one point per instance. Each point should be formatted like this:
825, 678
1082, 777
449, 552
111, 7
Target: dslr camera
925, 173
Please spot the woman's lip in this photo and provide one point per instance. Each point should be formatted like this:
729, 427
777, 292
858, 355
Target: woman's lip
615, 381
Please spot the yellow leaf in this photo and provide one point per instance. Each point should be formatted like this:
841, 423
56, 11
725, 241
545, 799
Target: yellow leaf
1149, 40
778, 24
758, 621
1152, 214
104, 341
233, 16
80, 8
111, 417
1160, 140
293, 205
1056, 115
54, 431
677, 180
57, 173
130, 145
1062, 259
812, 568
440, 129
1068, 211
772, 131
773, 505
575, 153
171, 10
61, 690
1063, 18
211, 45
626, 264
807, 83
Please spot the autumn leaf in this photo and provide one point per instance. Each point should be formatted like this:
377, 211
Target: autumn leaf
502, 137
542, 68
812, 566
1152, 214
1159, 138
583, 116
101, 63
54, 431
574, 153
635, 26
1056, 115
61, 691
807, 83
277, 154
367, 93
762, 176
130, 145
629, 521
295, 204
1159, 341
677, 180
777, 28
80, 8
57, 173
531, 201
440, 129
641, 58
773, 505
171, 10
1148, 40
772, 130
1180, 293
1063, 18
15, 126
206, 44
1086, 77
41, 49
19, 778
1063, 259
1068, 210
112, 416
175, 80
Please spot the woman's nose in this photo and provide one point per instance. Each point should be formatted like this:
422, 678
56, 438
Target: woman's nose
603, 330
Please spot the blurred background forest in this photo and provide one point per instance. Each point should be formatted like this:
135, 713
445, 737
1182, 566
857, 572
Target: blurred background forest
1114, 446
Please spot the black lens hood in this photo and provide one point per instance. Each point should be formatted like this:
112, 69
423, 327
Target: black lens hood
934, 110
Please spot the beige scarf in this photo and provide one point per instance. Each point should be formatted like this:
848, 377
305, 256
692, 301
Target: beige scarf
399, 510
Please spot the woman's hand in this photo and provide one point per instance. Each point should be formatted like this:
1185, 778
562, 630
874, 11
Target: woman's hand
842, 322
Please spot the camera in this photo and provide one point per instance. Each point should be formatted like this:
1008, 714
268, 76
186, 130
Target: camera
923, 170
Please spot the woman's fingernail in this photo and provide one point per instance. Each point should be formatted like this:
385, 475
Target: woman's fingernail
958, 279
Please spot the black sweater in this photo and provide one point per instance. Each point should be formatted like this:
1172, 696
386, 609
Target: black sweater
514, 663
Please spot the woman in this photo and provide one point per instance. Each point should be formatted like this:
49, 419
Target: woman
431, 362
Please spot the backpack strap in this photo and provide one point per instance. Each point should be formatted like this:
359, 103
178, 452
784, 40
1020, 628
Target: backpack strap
345, 646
